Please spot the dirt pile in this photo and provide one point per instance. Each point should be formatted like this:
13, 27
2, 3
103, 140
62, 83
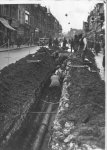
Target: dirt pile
87, 106
18, 83
80, 122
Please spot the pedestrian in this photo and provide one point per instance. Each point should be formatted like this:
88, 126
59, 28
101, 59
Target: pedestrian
17, 41
83, 46
103, 49
56, 42
64, 43
72, 45
76, 43
12, 42
28, 41
69, 41
103, 63
97, 47
6, 41
50, 42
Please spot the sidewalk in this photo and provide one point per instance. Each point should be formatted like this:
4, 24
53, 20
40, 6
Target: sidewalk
2, 49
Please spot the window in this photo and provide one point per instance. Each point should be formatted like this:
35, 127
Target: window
26, 17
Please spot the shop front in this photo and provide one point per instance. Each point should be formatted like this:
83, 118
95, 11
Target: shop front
6, 30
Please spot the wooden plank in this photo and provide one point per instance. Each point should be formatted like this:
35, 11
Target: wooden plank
33, 61
79, 66
43, 112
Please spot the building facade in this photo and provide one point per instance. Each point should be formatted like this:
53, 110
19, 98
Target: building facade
8, 22
27, 21
93, 28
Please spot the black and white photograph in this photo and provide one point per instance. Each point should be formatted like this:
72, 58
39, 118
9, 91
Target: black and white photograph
52, 74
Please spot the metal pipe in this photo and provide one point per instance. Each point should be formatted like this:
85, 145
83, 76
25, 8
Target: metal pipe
42, 112
40, 135
34, 128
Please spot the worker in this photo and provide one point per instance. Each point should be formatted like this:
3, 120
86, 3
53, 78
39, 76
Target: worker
50, 42
55, 85
59, 72
57, 77
72, 44
55, 55
55, 80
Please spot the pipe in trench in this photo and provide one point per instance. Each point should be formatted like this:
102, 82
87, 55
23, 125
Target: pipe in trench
34, 128
40, 135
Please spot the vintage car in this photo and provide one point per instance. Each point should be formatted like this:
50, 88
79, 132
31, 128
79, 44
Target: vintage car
43, 41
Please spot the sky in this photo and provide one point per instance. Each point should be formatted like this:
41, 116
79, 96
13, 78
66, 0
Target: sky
77, 11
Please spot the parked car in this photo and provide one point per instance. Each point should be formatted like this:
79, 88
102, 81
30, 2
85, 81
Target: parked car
43, 41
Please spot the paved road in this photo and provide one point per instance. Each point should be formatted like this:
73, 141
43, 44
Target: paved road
9, 57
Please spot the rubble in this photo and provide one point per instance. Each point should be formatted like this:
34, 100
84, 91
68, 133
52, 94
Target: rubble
81, 123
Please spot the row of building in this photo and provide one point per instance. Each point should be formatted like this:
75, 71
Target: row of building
94, 28
27, 21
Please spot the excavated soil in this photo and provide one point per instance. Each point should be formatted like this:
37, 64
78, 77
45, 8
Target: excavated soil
81, 124
87, 106
19, 83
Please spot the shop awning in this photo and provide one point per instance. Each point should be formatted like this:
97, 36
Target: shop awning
6, 24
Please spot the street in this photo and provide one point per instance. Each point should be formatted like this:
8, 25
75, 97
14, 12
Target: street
8, 57
52, 75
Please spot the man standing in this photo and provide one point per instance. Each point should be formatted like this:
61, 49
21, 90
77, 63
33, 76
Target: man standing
50, 42
64, 43
76, 43
72, 45
83, 46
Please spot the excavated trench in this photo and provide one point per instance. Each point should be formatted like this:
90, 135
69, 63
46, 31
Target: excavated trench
32, 104
34, 133
35, 128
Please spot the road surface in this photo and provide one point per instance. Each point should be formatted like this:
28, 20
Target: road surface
8, 57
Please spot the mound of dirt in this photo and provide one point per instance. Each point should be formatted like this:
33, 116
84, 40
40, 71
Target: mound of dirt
80, 121
87, 106
18, 83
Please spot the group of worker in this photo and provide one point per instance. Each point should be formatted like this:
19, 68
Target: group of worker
79, 43
58, 76
81, 47
61, 58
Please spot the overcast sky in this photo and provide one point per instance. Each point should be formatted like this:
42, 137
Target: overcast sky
77, 11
